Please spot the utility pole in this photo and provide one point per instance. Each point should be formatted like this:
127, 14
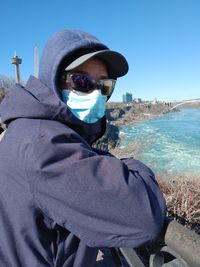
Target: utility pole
16, 61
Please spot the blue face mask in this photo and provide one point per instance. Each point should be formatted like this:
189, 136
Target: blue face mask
86, 107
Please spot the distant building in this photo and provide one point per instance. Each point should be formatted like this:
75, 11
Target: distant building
138, 100
127, 98
155, 101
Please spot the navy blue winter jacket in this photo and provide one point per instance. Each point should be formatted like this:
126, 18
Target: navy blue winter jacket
60, 199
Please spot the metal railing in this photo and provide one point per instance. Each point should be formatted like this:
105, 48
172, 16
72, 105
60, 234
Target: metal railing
178, 247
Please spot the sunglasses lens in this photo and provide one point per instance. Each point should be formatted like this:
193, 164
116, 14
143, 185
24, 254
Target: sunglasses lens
86, 83
107, 87
82, 83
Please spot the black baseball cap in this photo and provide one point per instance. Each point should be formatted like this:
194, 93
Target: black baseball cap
115, 62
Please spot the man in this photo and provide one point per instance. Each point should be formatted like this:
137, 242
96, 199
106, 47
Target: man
61, 199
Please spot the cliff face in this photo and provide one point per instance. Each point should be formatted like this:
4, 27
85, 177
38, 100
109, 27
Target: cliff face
136, 112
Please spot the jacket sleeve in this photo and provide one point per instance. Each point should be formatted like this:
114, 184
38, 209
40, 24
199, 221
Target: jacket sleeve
103, 200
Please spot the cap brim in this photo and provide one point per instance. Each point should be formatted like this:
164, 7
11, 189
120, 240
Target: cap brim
116, 63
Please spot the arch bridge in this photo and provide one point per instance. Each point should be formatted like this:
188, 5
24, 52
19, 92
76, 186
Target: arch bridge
185, 102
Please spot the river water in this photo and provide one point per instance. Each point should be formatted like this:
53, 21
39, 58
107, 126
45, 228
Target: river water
171, 143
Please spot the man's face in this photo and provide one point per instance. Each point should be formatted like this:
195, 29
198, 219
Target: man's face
93, 67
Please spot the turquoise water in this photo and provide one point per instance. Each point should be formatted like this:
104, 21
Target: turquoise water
171, 142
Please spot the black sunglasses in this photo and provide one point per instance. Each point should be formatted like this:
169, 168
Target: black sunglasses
86, 83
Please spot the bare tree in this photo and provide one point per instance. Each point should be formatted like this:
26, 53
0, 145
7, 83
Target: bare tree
5, 84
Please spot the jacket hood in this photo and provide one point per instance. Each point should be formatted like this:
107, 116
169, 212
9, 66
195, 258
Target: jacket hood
41, 98
64, 45
37, 101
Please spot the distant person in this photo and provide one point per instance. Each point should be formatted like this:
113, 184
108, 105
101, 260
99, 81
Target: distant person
60, 199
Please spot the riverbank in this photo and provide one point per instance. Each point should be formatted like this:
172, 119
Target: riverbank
182, 195
124, 114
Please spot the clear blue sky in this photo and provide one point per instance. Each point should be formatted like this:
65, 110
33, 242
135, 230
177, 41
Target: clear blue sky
159, 38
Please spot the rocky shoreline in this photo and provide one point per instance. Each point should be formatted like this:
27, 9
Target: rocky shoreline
123, 114
119, 114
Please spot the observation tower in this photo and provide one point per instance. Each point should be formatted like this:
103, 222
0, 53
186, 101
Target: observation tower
17, 61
